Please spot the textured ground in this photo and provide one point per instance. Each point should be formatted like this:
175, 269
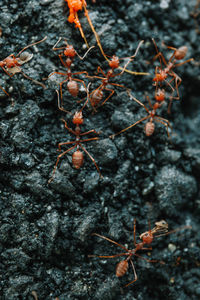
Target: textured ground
45, 230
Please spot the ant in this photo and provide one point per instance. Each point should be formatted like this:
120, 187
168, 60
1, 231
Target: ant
147, 238
162, 74
77, 156
12, 64
70, 53
150, 126
74, 7
97, 95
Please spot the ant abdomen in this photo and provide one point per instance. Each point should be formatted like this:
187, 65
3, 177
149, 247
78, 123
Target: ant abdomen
73, 88
77, 159
149, 128
180, 53
121, 268
96, 97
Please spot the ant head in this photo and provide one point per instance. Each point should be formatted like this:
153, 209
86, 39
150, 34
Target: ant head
11, 62
69, 51
180, 53
160, 95
78, 118
147, 237
114, 63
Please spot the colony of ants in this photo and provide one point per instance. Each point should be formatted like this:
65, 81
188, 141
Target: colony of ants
164, 78
13, 64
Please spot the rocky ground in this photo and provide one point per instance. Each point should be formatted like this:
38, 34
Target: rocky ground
45, 229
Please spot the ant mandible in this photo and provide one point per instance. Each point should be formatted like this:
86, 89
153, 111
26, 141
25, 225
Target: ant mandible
70, 53
149, 126
12, 64
77, 156
147, 238
97, 95
162, 74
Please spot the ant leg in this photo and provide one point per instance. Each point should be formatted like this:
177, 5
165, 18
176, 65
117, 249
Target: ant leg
123, 130
136, 278
148, 260
60, 84
98, 77
58, 158
10, 75
51, 74
35, 81
165, 123
65, 143
134, 232
99, 70
178, 81
69, 129
138, 101
131, 59
149, 101
184, 62
111, 241
159, 55
88, 140
82, 57
62, 61
82, 81
112, 92
81, 30
59, 107
149, 248
90, 131
109, 256
90, 156
94, 31
30, 45
4, 91
82, 72
34, 294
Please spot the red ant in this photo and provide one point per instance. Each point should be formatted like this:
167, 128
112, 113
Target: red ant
12, 64
74, 7
97, 95
69, 52
147, 238
77, 156
162, 74
150, 126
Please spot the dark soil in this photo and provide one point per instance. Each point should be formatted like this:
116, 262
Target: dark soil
45, 229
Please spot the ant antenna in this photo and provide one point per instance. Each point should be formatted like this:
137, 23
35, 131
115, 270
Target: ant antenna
32, 45
58, 41
88, 50
175, 230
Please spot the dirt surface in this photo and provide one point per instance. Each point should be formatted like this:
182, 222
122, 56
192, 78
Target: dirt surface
45, 229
